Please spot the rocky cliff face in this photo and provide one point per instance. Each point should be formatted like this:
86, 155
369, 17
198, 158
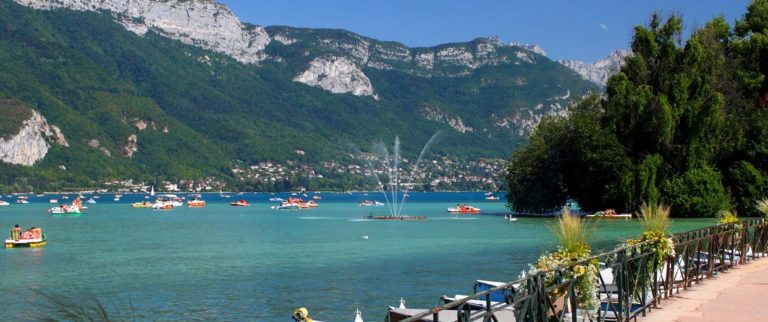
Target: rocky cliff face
203, 23
338, 59
31, 143
530, 47
337, 75
450, 60
445, 60
599, 71
524, 121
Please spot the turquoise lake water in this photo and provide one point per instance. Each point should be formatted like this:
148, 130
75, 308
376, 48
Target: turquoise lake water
257, 264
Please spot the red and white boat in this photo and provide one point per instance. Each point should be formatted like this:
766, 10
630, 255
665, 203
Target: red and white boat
240, 203
196, 203
464, 209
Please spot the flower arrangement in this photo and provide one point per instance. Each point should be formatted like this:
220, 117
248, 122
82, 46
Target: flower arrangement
727, 217
654, 219
571, 261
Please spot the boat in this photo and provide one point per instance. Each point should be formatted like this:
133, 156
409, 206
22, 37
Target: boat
144, 204
308, 204
53, 201
32, 238
4, 203
316, 197
78, 203
491, 197
90, 200
22, 201
163, 205
296, 203
609, 214
276, 199
286, 205
240, 203
72, 210
464, 209
222, 195
175, 200
369, 203
196, 203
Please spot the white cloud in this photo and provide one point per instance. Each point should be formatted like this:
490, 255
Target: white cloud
603, 26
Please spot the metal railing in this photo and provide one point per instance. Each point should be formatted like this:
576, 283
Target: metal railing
630, 283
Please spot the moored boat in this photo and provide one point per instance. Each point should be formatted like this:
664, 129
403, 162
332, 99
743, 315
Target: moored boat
4, 203
464, 209
609, 214
491, 197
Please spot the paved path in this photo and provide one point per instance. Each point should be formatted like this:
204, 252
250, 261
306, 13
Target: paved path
741, 294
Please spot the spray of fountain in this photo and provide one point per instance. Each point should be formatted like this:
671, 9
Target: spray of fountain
392, 165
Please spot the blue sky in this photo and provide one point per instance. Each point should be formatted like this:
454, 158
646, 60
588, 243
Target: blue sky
586, 30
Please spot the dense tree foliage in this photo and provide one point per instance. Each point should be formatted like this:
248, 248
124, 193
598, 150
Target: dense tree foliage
684, 124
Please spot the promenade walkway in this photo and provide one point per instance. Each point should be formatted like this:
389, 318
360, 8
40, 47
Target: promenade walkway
737, 295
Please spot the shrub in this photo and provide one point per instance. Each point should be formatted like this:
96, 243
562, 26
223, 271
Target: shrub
697, 193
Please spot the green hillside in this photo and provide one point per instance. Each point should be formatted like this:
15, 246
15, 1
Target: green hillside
203, 110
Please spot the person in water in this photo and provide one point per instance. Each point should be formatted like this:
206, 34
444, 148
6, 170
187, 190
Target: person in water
16, 233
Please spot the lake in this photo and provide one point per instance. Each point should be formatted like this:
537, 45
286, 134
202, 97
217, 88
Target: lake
259, 264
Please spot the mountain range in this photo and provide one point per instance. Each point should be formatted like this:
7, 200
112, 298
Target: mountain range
183, 89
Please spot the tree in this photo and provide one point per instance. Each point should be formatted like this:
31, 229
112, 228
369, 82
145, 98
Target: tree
683, 124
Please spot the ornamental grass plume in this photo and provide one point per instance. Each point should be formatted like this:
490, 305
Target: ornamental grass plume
571, 232
762, 206
654, 218
727, 217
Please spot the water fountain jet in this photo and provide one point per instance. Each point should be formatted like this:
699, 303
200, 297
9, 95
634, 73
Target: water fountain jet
394, 185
